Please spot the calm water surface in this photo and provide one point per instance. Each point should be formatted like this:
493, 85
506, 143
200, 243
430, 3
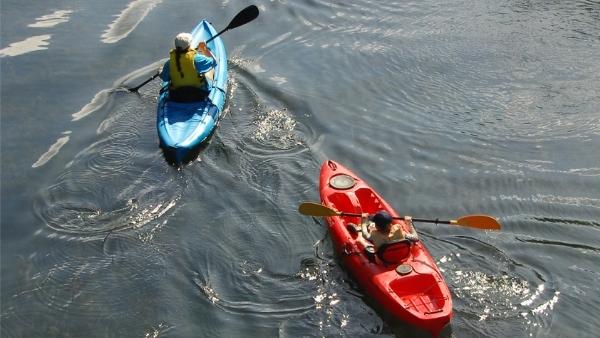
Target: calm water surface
447, 108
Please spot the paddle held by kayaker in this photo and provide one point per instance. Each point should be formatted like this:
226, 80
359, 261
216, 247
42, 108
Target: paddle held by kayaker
188, 71
378, 229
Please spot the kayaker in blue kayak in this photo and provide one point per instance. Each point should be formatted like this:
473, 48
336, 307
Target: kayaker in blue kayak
378, 229
189, 70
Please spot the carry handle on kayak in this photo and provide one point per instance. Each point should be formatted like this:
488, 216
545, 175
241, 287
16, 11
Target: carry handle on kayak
243, 17
483, 222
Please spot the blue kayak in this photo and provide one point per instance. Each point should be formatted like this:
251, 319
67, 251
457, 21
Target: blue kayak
184, 127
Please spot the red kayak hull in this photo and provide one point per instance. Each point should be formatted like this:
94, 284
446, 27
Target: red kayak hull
418, 294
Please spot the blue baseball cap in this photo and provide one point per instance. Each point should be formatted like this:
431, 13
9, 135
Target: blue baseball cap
381, 219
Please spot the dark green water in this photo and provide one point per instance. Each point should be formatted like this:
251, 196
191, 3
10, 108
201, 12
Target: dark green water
446, 108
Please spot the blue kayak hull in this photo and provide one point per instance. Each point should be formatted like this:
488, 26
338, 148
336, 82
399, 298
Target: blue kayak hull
184, 127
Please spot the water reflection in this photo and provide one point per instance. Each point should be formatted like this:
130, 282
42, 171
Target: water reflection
119, 181
31, 44
52, 19
128, 20
54, 149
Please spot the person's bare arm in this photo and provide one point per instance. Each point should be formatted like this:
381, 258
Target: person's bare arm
202, 48
413, 236
364, 226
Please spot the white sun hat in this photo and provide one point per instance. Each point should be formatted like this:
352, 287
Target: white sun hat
183, 40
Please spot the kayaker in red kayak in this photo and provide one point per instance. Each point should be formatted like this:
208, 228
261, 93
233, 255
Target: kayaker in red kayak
187, 70
378, 229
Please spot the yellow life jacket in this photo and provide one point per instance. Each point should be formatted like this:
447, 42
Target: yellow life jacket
188, 76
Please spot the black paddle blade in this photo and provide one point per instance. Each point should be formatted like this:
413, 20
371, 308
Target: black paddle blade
243, 17
246, 15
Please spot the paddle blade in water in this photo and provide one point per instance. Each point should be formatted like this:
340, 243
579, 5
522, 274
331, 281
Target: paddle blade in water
479, 221
316, 209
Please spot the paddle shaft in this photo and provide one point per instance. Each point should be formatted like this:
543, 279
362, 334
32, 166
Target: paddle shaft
484, 222
135, 89
436, 221
221, 32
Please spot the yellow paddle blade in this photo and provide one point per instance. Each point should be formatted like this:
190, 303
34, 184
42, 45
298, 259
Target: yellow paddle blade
478, 221
316, 209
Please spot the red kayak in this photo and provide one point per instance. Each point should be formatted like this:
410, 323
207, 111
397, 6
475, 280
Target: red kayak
401, 277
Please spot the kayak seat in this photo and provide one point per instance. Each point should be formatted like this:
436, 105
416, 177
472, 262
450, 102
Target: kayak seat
394, 252
187, 94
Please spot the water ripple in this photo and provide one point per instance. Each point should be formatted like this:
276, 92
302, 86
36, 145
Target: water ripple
559, 243
83, 283
520, 168
522, 296
253, 296
339, 306
120, 181
544, 199
83, 205
494, 92
276, 128
267, 129
244, 284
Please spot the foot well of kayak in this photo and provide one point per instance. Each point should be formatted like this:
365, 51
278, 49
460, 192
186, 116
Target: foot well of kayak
367, 201
420, 293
